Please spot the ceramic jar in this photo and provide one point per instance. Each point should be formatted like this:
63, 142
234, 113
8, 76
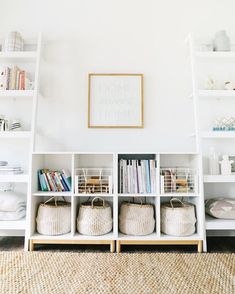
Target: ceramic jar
221, 41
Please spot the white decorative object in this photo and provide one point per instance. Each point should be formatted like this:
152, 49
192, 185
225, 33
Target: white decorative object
206, 47
136, 219
94, 218
224, 124
222, 41
210, 83
14, 42
226, 165
228, 85
178, 219
54, 218
223, 208
15, 125
115, 101
213, 162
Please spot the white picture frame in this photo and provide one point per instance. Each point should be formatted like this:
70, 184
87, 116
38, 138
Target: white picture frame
115, 101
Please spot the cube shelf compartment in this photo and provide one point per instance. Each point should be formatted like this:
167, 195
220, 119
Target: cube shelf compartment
85, 160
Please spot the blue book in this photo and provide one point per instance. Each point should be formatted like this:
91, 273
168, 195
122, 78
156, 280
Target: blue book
148, 179
42, 183
64, 183
67, 178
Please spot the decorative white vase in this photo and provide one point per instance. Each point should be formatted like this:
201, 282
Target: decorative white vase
213, 162
226, 165
221, 41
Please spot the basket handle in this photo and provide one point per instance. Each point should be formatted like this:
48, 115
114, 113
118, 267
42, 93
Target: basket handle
55, 198
92, 202
176, 199
141, 202
48, 200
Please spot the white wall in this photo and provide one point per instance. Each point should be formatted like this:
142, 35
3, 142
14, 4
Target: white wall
144, 36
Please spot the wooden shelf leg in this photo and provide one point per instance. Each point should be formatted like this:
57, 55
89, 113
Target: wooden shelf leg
199, 246
112, 246
31, 245
118, 246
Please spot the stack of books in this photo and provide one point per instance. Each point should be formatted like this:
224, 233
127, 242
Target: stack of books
137, 176
12, 78
6, 169
54, 181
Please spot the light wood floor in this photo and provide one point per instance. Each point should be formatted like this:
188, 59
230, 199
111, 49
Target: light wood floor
215, 244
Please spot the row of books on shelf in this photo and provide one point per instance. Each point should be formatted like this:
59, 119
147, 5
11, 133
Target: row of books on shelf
137, 176
12, 78
54, 181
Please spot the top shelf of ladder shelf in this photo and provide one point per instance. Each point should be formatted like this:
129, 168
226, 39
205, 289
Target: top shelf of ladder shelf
18, 56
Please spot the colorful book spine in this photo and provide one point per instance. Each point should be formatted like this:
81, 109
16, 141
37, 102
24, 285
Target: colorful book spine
148, 180
42, 184
67, 178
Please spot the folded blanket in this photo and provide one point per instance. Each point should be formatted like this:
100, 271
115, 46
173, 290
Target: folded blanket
13, 215
11, 201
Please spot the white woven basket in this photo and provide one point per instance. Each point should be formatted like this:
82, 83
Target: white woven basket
178, 219
136, 219
94, 219
54, 218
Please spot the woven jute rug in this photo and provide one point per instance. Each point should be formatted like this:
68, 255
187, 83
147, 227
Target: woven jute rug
71, 272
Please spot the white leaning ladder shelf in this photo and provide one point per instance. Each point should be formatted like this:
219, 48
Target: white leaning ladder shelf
215, 100
28, 59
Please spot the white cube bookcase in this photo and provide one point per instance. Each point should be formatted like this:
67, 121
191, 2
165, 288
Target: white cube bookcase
74, 160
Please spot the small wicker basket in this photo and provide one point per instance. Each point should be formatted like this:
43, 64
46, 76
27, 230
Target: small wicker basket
94, 218
54, 217
178, 219
136, 219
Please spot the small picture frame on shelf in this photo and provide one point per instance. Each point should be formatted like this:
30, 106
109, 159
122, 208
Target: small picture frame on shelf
232, 157
115, 101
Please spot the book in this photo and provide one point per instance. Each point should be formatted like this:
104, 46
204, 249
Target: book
64, 182
22, 80
135, 181
3, 78
139, 176
46, 181
121, 176
42, 185
148, 180
153, 175
125, 180
13, 73
143, 173
67, 177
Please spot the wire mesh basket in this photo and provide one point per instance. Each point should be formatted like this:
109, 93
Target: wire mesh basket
93, 180
179, 180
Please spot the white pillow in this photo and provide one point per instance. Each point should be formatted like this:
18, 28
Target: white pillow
221, 207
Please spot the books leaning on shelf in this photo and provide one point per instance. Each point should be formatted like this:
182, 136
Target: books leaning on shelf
13, 79
137, 176
54, 181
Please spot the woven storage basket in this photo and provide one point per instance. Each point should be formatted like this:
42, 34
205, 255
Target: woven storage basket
178, 219
94, 218
136, 219
54, 217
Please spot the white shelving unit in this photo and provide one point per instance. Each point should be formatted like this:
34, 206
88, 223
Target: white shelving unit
14, 105
74, 160
209, 104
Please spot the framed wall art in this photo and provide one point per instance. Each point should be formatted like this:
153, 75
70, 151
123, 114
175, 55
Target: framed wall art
115, 101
